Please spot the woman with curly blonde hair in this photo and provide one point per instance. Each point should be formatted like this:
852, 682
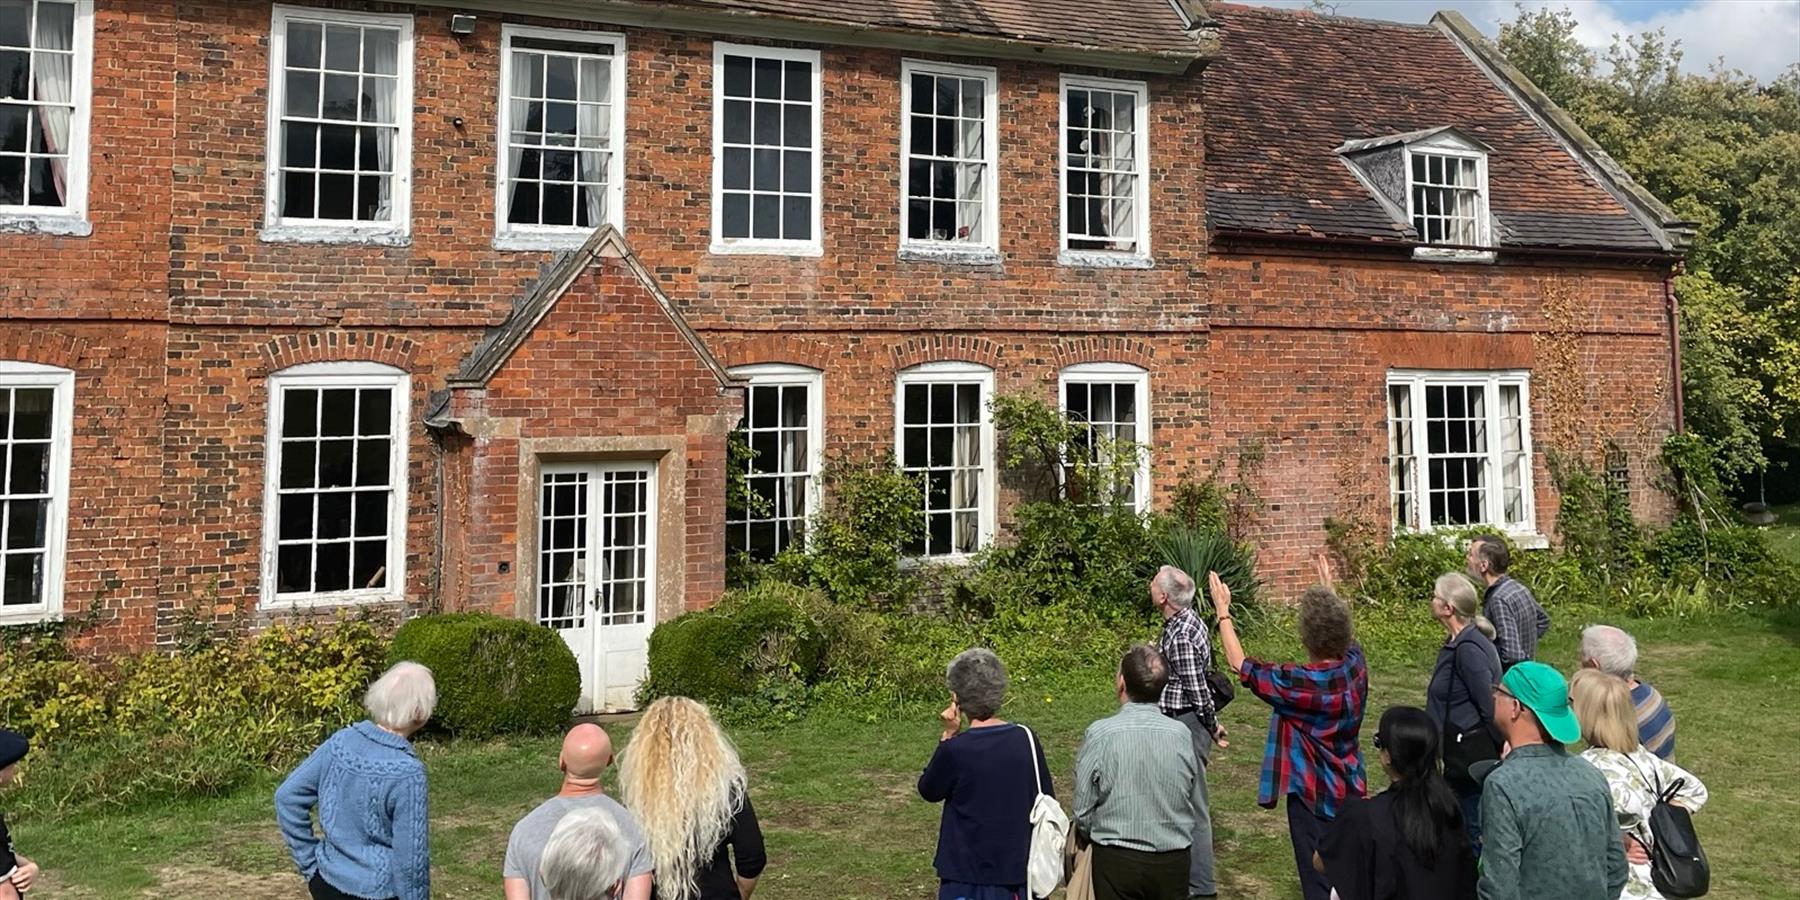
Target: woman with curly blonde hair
681, 778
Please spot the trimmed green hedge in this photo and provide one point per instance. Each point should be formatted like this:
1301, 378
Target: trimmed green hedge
494, 675
768, 637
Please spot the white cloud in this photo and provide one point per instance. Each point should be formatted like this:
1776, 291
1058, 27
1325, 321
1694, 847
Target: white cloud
1761, 37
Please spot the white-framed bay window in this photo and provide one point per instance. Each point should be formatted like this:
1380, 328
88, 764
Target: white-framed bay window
766, 142
46, 81
783, 425
36, 430
1105, 130
562, 136
334, 511
1112, 402
1459, 450
949, 197
339, 165
944, 434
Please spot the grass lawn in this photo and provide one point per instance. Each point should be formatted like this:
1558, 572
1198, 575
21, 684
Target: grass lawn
1784, 535
836, 793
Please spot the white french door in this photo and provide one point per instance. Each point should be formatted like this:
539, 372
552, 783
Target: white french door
597, 572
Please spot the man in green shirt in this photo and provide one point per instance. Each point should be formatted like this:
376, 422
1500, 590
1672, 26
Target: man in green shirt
1139, 788
1548, 827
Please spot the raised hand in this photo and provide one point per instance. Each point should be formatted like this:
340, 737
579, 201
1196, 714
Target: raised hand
1220, 594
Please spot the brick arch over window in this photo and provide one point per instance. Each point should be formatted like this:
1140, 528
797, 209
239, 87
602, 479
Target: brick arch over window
1103, 350
291, 350
944, 347
38, 345
764, 349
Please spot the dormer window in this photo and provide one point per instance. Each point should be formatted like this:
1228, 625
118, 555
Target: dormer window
1434, 184
1446, 193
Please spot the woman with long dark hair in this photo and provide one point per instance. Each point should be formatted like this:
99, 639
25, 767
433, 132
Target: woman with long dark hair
1407, 842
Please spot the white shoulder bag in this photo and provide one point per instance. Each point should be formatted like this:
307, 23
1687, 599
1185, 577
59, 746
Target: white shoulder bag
1049, 834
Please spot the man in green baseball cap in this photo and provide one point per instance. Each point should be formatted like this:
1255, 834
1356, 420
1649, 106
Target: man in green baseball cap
1547, 816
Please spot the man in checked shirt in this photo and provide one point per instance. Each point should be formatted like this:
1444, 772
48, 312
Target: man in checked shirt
1187, 699
1518, 619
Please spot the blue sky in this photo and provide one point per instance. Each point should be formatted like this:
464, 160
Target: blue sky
1760, 37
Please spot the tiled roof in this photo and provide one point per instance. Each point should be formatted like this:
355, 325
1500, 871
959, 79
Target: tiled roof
1137, 26
1289, 88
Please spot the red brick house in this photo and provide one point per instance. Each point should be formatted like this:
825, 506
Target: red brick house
453, 305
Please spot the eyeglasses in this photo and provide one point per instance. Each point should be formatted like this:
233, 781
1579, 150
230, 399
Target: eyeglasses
1505, 693
1379, 743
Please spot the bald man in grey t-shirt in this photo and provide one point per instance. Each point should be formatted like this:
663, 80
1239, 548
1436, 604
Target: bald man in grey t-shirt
586, 753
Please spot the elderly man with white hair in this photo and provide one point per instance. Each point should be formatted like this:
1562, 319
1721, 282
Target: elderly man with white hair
1187, 648
586, 857
369, 789
1614, 652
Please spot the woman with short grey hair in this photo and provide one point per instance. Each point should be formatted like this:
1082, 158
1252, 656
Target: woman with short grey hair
988, 777
369, 789
585, 858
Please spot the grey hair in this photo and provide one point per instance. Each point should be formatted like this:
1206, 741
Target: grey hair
978, 680
1178, 585
585, 857
1458, 592
1611, 649
402, 698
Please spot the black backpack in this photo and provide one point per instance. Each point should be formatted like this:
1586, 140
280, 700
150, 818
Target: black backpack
1678, 866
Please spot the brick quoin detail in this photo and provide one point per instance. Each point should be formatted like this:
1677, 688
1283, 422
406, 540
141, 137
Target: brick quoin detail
1104, 349
338, 346
947, 348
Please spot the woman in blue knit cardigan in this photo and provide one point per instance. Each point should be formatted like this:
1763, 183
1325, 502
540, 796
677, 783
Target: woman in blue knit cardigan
369, 788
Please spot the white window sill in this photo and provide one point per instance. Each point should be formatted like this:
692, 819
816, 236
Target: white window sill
948, 559
298, 602
49, 223
1104, 259
950, 254
334, 234
541, 240
1452, 535
1529, 540
31, 616
768, 248
1440, 254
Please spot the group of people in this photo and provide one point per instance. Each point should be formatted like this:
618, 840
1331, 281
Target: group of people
1485, 797
683, 828
1483, 771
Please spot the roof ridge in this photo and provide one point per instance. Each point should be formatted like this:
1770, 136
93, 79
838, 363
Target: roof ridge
1333, 19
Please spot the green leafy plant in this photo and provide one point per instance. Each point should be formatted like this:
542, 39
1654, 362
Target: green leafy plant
1198, 551
494, 675
853, 544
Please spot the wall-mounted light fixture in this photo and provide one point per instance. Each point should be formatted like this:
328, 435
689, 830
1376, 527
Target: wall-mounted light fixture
462, 24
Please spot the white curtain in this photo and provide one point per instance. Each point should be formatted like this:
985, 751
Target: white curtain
55, 79
591, 131
384, 56
965, 479
969, 175
1512, 455
519, 114
793, 455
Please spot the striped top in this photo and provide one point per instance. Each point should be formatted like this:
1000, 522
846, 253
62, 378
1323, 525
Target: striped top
1138, 784
1656, 725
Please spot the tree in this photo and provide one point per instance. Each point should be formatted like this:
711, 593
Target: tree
1723, 150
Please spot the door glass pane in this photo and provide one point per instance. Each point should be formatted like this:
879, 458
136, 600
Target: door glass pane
562, 550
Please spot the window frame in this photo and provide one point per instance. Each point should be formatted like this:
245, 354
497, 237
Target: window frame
326, 375
988, 249
789, 374
61, 381
1114, 374
720, 245
278, 228
70, 219
954, 372
1417, 380
1451, 148
1141, 256
512, 236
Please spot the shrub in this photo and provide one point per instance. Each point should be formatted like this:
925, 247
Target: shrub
1065, 553
494, 675
1198, 551
853, 544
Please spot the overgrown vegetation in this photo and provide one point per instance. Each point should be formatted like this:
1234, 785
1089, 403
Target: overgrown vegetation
201, 721
494, 675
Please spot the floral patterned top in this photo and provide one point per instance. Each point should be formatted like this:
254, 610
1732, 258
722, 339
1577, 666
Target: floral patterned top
1633, 779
